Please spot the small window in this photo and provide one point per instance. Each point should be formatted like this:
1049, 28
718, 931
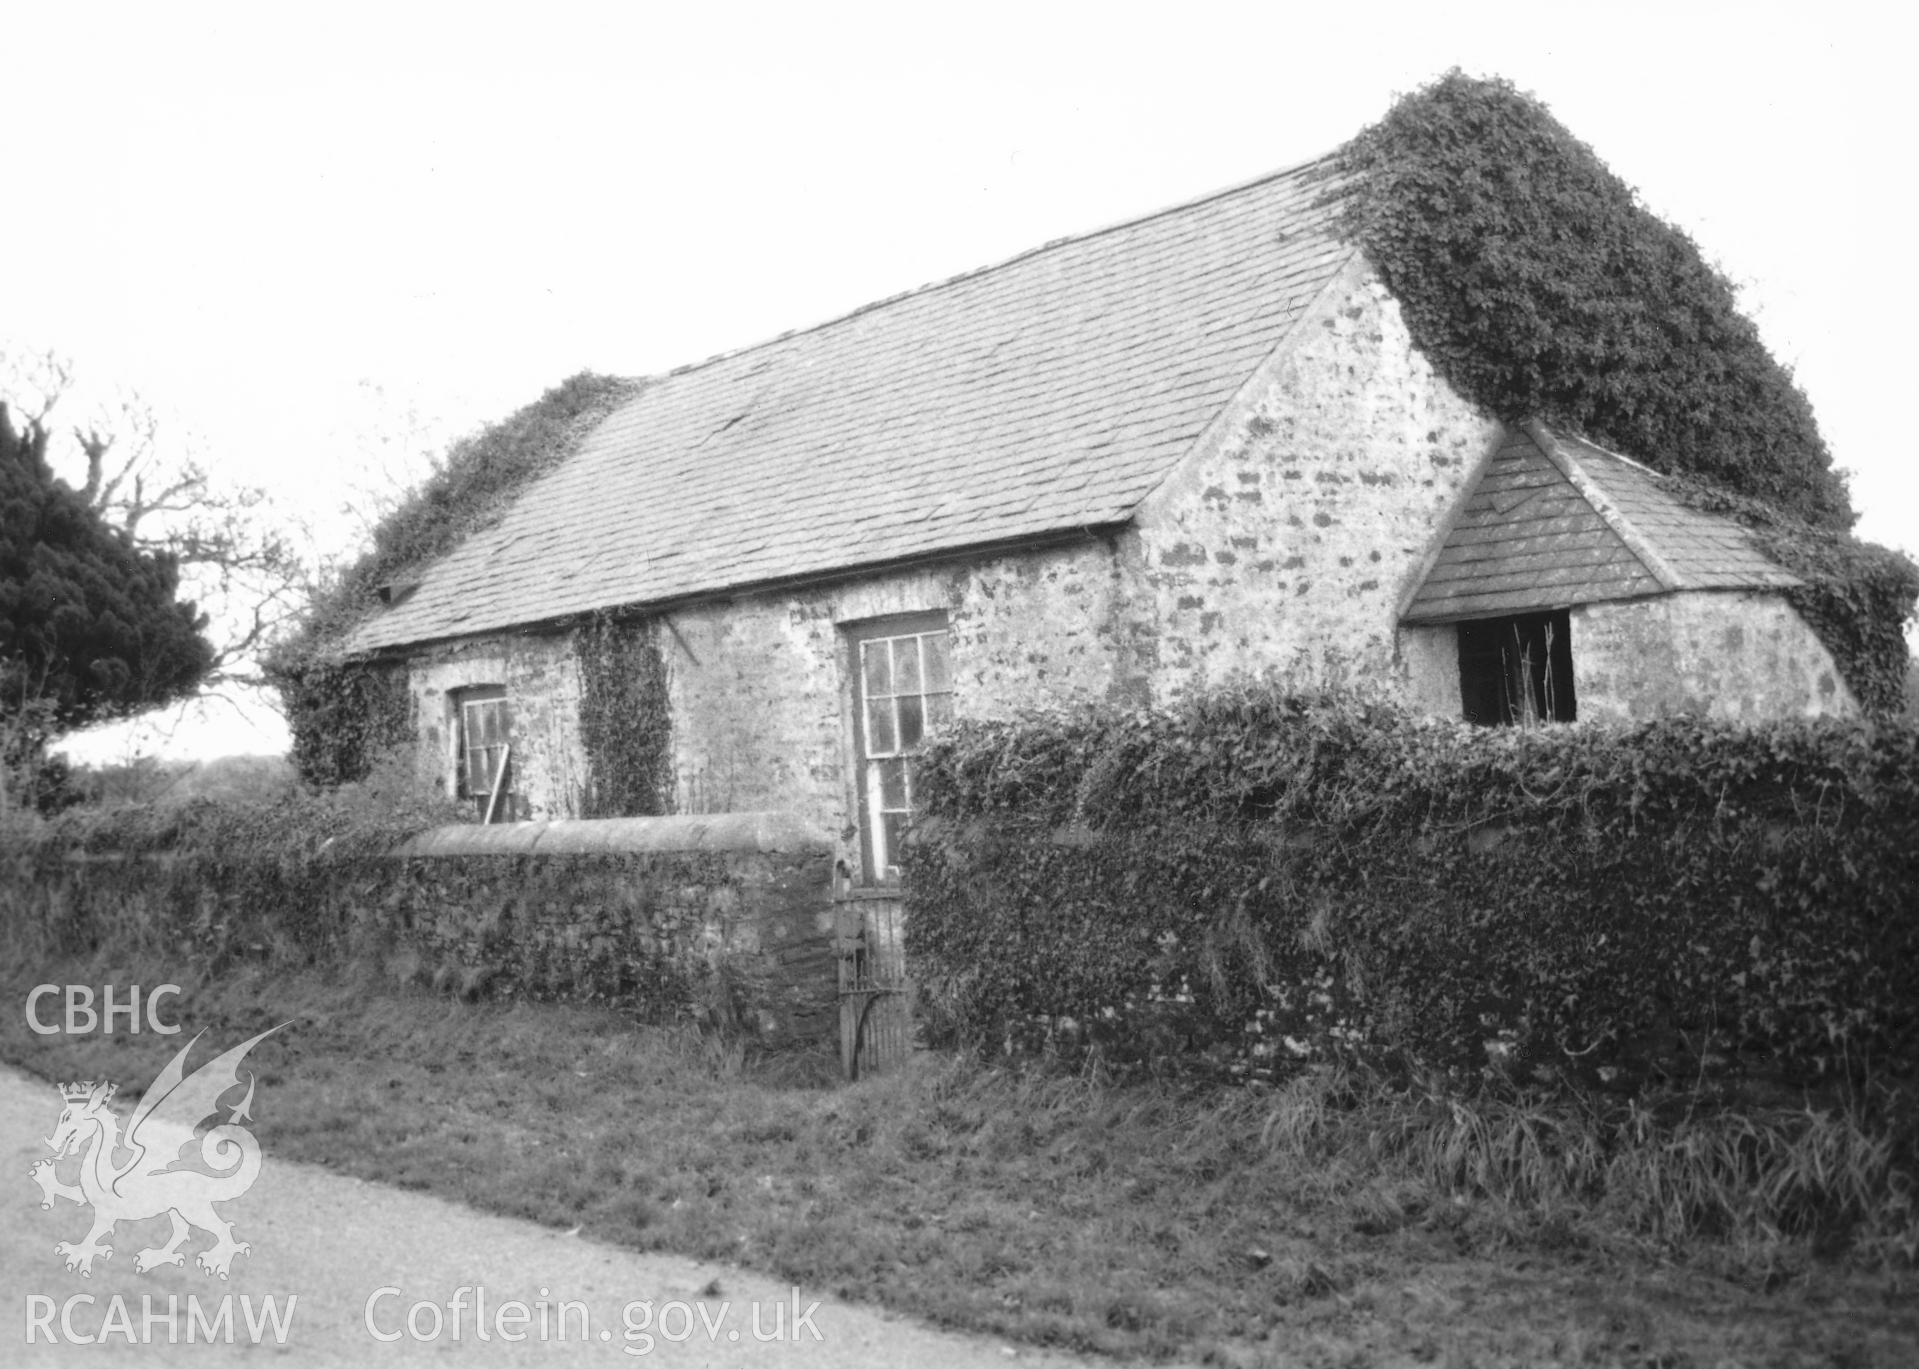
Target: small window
486, 753
902, 689
1517, 671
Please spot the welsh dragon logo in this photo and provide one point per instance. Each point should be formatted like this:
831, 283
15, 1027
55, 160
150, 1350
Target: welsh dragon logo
147, 1184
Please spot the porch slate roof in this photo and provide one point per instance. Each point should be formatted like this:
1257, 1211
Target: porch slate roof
1046, 394
1556, 521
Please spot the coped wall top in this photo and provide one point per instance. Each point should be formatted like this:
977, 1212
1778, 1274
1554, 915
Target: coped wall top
768, 831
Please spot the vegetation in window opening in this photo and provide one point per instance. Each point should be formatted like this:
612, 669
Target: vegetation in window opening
1540, 286
470, 489
626, 725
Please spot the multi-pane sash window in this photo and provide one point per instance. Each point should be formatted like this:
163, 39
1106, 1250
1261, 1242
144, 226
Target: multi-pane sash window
485, 723
904, 689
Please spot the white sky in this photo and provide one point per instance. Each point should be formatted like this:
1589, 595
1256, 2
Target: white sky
306, 234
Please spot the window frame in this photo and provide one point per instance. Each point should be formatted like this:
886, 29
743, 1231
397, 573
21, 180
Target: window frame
1493, 652
869, 778
471, 698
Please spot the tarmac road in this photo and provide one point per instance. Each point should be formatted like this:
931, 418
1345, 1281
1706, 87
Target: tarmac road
325, 1246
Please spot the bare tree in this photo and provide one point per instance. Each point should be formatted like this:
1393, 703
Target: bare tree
235, 559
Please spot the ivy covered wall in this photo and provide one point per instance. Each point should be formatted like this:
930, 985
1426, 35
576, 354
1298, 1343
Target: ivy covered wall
337, 706
625, 718
725, 922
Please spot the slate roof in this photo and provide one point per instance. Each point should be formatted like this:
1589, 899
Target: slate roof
1046, 394
1556, 521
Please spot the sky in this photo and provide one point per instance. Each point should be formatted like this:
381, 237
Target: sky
322, 241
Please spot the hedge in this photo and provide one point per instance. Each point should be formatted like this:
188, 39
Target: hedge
1259, 877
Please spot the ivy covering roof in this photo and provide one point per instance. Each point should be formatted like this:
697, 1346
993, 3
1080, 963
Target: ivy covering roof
1047, 394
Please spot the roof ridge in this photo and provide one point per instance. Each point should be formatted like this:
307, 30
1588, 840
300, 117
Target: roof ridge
1600, 447
1602, 503
1051, 244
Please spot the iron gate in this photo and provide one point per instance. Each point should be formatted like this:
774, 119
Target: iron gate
876, 1015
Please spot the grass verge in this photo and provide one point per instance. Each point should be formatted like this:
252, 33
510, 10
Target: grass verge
1325, 1223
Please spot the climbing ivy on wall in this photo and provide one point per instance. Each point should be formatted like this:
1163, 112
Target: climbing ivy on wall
1857, 596
470, 489
626, 725
344, 715
1539, 286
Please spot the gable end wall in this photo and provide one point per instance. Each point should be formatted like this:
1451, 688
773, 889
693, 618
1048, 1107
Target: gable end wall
1284, 545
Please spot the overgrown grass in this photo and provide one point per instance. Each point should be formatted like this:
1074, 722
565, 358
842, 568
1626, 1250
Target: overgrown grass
1755, 1192
1334, 1220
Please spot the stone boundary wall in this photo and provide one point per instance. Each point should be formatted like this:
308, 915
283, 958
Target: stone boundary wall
726, 919
728, 915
